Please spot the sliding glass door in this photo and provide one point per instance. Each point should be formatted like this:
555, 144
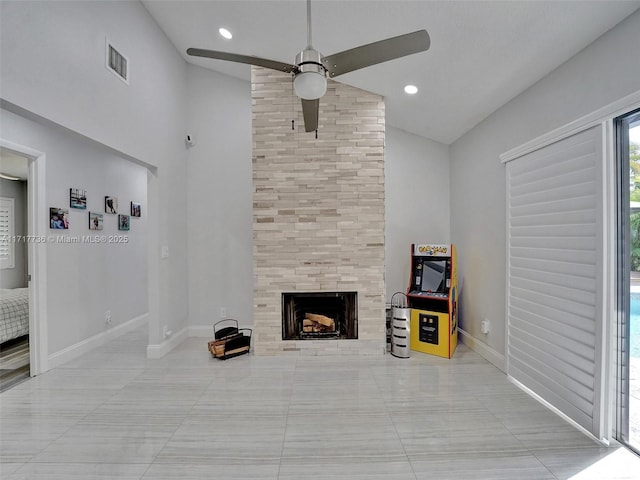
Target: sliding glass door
628, 281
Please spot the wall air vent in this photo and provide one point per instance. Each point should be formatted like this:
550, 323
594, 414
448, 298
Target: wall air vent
117, 63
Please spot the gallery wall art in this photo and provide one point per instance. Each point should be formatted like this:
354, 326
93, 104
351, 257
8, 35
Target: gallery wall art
136, 209
78, 198
111, 205
95, 221
124, 222
58, 218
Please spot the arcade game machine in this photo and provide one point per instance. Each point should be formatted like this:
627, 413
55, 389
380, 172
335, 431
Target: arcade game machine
433, 298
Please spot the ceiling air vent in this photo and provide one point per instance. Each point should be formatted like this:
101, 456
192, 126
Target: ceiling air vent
117, 63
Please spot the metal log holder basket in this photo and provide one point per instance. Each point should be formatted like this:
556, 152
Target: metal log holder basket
229, 340
400, 326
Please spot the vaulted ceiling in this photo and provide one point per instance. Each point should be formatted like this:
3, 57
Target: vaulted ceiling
483, 53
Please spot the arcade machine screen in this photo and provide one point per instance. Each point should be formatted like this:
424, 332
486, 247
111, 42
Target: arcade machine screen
434, 276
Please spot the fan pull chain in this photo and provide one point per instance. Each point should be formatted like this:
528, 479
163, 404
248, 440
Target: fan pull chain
316, 133
293, 124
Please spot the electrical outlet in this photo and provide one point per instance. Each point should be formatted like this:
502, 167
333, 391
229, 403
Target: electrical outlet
107, 317
223, 312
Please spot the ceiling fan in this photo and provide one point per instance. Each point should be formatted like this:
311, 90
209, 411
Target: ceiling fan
311, 67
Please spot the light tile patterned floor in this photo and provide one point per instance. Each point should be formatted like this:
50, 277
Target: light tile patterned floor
113, 414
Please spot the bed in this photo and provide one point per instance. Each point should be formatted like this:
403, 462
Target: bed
14, 313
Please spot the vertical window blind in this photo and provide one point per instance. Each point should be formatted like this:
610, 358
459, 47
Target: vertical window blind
7, 259
554, 263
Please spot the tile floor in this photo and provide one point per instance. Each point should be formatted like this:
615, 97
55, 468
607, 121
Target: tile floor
113, 414
14, 362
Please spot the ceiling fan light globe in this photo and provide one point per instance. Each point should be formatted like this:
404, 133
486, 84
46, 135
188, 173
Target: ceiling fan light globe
310, 85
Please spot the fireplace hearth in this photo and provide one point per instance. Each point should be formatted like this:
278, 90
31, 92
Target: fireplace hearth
319, 315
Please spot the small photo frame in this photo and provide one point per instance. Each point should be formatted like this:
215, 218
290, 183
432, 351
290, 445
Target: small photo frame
124, 222
58, 218
95, 221
111, 205
136, 209
78, 198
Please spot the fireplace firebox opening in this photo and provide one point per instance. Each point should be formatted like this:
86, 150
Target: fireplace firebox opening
319, 315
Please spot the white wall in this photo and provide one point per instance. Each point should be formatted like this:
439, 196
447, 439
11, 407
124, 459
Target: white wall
416, 201
52, 58
84, 280
16, 277
602, 73
219, 196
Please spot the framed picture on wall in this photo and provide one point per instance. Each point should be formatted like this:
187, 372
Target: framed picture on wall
111, 205
95, 221
59, 218
123, 222
78, 198
136, 209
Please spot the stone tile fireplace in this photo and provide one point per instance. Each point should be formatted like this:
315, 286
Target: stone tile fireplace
318, 215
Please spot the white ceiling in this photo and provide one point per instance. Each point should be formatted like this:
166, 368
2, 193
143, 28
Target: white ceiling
483, 53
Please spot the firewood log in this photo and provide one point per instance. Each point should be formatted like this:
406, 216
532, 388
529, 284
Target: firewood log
321, 319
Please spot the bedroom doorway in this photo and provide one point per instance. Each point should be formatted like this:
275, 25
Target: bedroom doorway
36, 227
15, 365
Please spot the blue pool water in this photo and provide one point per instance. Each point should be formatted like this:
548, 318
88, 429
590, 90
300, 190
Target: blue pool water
635, 325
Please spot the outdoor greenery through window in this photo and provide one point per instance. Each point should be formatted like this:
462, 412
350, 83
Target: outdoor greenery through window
630, 334
634, 177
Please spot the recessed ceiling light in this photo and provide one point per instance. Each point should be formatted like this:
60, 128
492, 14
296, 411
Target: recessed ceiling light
411, 89
225, 33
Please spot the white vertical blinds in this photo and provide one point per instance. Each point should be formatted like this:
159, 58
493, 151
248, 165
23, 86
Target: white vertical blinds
7, 258
554, 288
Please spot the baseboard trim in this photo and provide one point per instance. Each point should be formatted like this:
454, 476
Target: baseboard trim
484, 350
85, 346
160, 350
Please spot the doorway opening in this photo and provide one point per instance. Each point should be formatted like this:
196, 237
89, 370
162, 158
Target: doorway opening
15, 363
